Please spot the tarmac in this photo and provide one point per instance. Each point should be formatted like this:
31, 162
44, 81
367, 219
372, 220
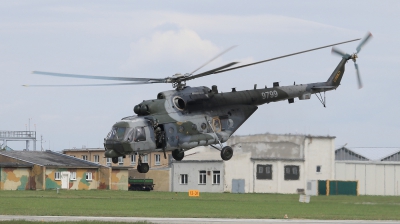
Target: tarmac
183, 220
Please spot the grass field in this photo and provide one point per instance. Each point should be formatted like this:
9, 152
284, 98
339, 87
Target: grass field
212, 205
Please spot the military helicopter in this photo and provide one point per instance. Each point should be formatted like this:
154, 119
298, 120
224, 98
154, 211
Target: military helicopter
186, 117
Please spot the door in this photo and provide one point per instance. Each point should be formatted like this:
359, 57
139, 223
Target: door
237, 185
64, 180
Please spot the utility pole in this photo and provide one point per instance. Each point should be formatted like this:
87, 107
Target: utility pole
41, 142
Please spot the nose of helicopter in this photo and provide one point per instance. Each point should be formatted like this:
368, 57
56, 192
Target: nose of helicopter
113, 148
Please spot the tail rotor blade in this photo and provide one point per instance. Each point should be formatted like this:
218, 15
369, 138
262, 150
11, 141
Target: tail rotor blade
358, 76
364, 41
337, 51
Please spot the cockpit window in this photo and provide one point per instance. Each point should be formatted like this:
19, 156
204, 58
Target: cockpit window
140, 135
116, 133
120, 133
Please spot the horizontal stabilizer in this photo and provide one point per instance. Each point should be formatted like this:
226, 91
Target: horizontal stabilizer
324, 87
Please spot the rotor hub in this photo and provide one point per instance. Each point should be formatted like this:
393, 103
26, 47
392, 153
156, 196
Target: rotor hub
354, 57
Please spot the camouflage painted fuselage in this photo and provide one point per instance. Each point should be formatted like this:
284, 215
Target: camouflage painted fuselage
199, 116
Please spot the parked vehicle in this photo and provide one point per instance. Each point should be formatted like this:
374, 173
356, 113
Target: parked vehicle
140, 184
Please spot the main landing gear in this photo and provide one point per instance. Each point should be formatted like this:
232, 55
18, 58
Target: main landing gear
142, 167
226, 153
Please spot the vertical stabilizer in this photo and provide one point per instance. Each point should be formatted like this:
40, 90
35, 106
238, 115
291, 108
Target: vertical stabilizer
337, 74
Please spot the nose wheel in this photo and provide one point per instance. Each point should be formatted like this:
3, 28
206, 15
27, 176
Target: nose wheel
142, 167
114, 160
178, 154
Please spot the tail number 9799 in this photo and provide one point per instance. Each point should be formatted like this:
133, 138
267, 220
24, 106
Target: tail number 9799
269, 94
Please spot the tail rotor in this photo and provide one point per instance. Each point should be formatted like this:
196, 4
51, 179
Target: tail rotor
354, 56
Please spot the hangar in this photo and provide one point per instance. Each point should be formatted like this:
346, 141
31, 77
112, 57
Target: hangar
377, 170
43, 170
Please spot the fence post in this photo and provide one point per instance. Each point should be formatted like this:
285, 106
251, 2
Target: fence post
327, 187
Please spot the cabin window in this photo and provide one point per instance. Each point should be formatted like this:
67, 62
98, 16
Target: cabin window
217, 124
140, 134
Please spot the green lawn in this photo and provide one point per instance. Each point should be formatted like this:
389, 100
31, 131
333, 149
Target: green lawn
212, 205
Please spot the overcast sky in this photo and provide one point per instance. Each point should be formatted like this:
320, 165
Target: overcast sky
161, 38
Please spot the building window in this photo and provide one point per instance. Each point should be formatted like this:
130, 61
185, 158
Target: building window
120, 160
216, 177
318, 169
84, 157
292, 172
157, 159
145, 159
96, 158
108, 162
88, 176
264, 172
57, 176
202, 177
73, 176
133, 159
184, 178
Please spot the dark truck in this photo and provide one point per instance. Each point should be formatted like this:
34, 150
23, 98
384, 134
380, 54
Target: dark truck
140, 184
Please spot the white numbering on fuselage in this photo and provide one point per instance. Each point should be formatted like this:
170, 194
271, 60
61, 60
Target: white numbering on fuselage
269, 94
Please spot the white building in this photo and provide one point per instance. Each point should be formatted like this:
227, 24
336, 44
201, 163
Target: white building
264, 163
201, 169
377, 170
270, 163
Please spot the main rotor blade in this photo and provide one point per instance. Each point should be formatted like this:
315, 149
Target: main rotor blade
212, 71
364, 41
358, 76
284, 56
212, 59
130, 79
110, 84
337, 51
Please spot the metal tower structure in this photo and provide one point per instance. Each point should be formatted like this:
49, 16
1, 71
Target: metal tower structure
27, 136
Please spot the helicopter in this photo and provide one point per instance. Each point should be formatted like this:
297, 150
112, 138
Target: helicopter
186, 117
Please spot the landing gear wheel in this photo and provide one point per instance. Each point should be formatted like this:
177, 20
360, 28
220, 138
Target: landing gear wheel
144, 167
114, 160
178, 154
226, 153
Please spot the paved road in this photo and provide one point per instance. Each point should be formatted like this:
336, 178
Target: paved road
181, 220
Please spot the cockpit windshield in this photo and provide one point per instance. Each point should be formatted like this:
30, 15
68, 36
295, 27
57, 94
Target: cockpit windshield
116, 133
